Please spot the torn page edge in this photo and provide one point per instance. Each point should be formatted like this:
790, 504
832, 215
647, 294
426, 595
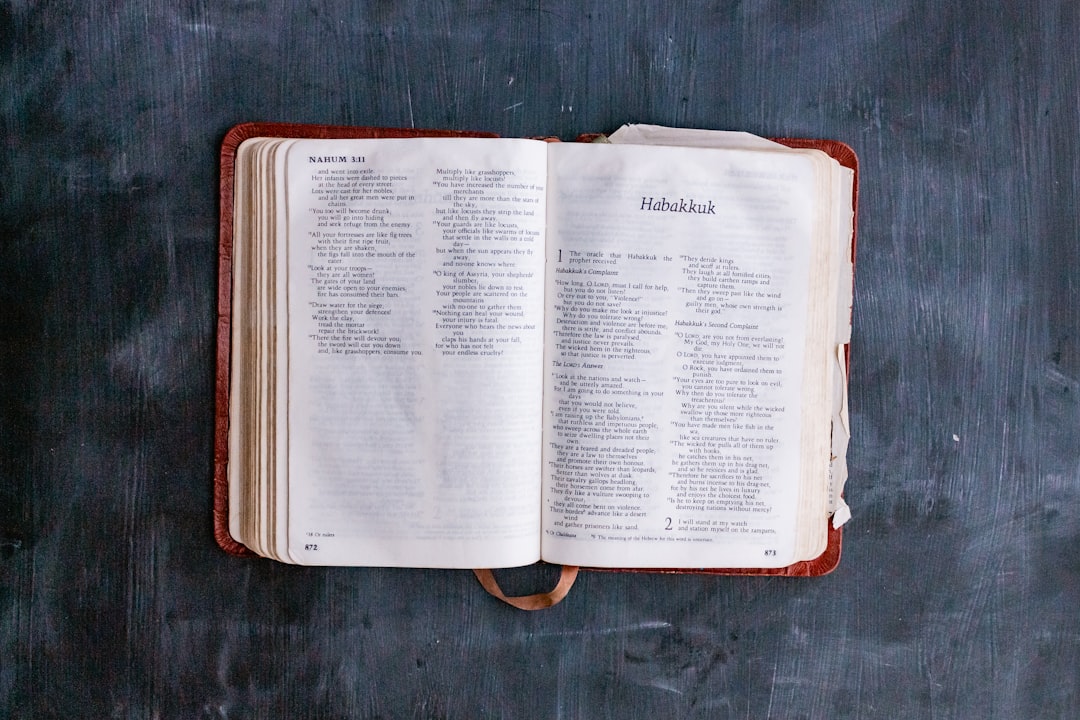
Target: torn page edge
659, 135
841, 433
841, 428
841, 515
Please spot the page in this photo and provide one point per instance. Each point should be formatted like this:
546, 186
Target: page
840, 192
254, 414
415, 298
676, 335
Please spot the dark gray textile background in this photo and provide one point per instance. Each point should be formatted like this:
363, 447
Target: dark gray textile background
959, 590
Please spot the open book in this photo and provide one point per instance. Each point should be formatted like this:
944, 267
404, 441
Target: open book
462, 352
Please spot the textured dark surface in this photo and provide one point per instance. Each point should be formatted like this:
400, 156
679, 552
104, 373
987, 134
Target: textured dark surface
959, 592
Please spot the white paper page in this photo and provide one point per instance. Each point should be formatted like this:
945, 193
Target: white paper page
843, 180
676, 319
415, 369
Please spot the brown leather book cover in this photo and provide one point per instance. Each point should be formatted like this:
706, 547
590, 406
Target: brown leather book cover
821, 565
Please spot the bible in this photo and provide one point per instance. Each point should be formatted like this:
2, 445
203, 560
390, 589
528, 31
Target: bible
450, 350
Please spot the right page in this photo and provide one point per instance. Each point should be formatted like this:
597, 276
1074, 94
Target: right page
687, 353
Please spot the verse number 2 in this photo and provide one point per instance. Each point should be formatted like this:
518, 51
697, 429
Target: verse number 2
668, 525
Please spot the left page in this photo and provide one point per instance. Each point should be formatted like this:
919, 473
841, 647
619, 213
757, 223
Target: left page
415, 297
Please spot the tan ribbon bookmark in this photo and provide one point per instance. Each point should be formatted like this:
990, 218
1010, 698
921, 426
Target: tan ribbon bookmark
539, 601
